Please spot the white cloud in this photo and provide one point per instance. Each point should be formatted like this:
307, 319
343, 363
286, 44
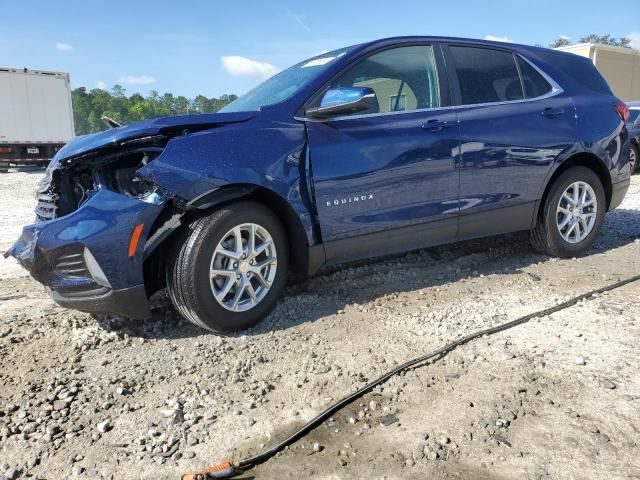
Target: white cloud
495, 38
64, 47
299, 19
237, 66
101, 85
635, 40
137, 80
564, 37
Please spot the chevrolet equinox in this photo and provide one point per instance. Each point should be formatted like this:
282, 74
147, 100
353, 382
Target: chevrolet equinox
376, 149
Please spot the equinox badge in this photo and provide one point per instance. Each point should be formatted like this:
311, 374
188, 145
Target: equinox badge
342, 201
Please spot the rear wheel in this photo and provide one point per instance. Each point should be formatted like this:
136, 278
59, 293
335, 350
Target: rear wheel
228, 270
633, 158
572, 214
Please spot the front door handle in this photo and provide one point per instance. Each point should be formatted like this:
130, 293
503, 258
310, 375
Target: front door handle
437, 125
552, 112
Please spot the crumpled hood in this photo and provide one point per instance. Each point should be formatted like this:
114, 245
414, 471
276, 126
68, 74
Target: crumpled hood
88, 143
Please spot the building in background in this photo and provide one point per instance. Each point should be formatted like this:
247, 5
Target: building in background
620, 66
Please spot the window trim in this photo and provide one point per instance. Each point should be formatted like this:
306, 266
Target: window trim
556, 89
441, 70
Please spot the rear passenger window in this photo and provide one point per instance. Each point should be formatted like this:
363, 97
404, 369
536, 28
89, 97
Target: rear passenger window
485, 75
535, 84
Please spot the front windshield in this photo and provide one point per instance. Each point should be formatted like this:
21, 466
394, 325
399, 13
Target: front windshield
285, 84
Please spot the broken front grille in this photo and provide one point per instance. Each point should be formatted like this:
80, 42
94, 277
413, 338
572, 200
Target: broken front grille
46, 207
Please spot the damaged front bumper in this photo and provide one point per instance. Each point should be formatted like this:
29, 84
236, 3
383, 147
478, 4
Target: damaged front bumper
85, 258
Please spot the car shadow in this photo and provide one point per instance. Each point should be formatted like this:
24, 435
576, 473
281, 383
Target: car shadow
332, 289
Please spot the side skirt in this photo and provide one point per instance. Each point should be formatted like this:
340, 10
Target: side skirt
391, 242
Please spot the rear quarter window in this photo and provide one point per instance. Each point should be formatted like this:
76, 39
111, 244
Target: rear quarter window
580, 69
534, 83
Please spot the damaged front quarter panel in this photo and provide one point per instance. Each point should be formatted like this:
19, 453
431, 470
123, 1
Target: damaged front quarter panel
254, 155
93, 217
107, 201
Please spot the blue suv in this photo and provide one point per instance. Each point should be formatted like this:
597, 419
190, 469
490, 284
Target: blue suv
375, 149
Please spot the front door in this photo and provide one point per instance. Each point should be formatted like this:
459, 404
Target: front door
385, 180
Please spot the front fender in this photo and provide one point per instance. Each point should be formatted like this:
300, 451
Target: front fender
266, 155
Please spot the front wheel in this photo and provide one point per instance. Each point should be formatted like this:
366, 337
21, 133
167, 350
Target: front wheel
228, 270
572, 214
633, 158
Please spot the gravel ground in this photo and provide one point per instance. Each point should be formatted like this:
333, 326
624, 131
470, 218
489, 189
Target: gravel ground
556, 398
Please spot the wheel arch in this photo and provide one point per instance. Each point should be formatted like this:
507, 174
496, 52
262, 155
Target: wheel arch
581, 159
304, 258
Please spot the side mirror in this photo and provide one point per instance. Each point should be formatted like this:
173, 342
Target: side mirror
343, 101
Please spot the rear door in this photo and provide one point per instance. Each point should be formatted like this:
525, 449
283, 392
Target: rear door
514, 122
385, 180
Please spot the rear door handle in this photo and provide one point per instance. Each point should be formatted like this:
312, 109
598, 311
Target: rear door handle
437, 125
552, 112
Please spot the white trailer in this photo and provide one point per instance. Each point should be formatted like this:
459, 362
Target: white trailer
36, 117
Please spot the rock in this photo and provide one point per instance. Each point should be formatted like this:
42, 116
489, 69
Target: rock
77, 470
388, 420
59, 404
11, 473
317, 447
608, 384
104, 426
500, 439
580, 361
189, 454
373, 405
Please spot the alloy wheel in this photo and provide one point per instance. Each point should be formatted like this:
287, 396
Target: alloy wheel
243, 267
576, 212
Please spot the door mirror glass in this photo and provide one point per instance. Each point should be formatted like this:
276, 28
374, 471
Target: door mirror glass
343, 101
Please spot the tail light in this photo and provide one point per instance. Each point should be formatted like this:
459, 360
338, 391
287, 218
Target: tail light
623, 111
5, 149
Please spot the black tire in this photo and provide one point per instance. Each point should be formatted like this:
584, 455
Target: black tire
545, 237
189, 263
636, 155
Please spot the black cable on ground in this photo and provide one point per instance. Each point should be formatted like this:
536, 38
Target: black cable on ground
230, 470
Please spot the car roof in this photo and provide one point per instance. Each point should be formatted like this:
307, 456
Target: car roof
475, 41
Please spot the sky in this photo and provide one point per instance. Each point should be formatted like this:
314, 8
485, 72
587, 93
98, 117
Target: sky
216, 47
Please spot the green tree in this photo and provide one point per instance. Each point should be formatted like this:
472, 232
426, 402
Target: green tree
90, 106
594, 38
560, 42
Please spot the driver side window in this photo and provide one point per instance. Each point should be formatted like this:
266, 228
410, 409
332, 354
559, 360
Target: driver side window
403, 79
